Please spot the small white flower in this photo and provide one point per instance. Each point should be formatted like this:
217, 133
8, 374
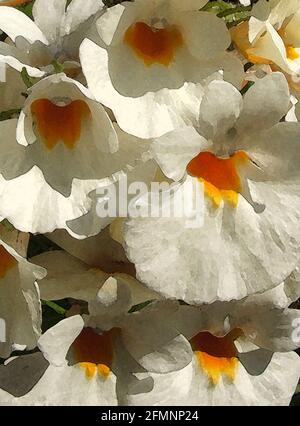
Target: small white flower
246, 161
272, 37
92, 358
55, 34
150, 60
60, 148
20, 309
250, 363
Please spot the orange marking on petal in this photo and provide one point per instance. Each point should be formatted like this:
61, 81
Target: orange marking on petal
220, 176
103, 370
217, 356
153, 46
257, 59
291, 53
216, 367
59, 123
7, 262
240, 37
14, 2
90, 369
94, 352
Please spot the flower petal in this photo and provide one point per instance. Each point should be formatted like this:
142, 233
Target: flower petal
56, 342
15, 23
151, 115
176, 149
48, 16
265, 103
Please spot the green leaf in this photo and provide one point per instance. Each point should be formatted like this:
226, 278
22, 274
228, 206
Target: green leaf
7, 225
55, 307
7, 115
140, 306
27, 9
58, 67
234, 11
247, 87
28, 81
217, 6
54, 312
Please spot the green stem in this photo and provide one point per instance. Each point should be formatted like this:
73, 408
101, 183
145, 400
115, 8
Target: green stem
246, 87
28, 81
55, 307
234, 10
58, 67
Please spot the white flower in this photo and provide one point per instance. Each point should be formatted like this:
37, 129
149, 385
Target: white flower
60, 148
150, 59
241, 357
91, 358
272, 36
54, 35
20, 310
247, 164
81, 383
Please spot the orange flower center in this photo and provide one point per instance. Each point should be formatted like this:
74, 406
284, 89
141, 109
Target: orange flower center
291, 53
59, 123
220, 176
94, 352
217, 356
153, 46
7, 262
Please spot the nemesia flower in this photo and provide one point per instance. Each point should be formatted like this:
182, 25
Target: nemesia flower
246, 163
153, 148
272, 36
91, 358
66, 136
169, 48
241, 356
20, 307
54, 35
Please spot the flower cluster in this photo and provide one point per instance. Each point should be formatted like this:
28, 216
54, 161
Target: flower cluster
154, 147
